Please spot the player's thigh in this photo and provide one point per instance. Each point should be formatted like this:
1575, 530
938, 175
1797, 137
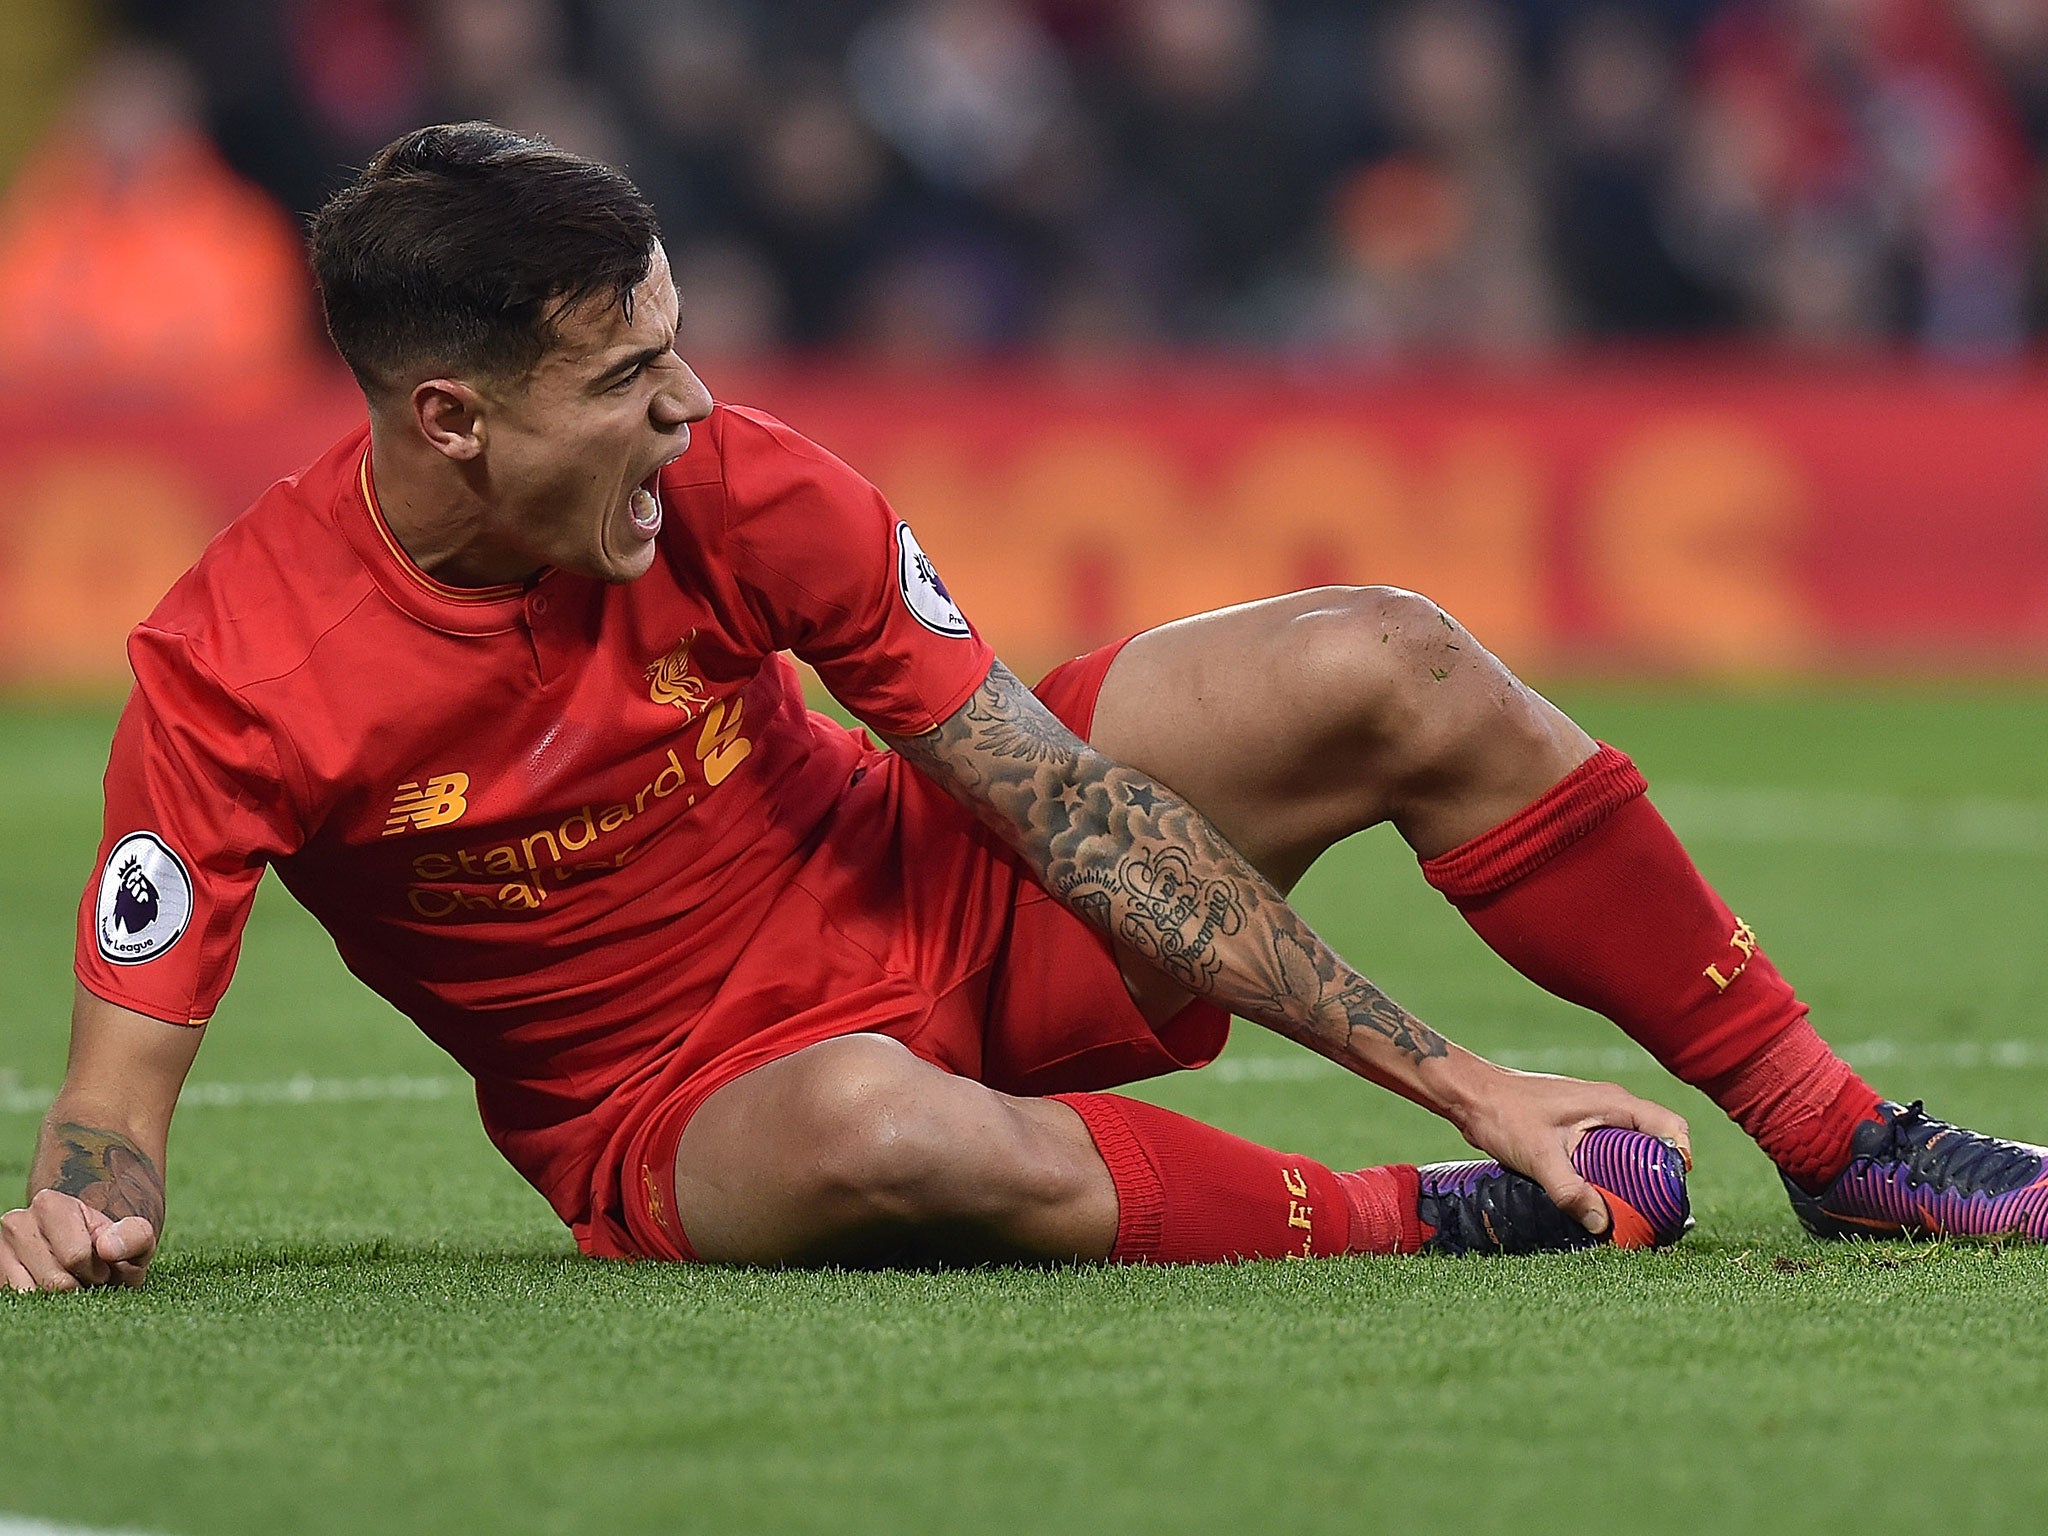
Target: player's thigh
1253, 715
803, 1157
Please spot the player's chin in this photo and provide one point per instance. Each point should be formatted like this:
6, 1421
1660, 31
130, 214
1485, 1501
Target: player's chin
622, 557
624, 547
634, 565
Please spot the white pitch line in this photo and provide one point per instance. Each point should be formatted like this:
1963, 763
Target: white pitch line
1847, 820
1959, 1056
1963, 1056
15, 1525
15, 1099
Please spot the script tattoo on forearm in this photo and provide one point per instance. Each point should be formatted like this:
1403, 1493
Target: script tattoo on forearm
1135, 859
109, 1173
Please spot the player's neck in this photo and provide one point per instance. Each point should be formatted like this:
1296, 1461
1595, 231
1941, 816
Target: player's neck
437, 519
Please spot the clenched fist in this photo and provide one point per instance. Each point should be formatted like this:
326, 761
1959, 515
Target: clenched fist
59, 1243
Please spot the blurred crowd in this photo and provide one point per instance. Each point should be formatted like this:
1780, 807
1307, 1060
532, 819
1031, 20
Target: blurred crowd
1380, 179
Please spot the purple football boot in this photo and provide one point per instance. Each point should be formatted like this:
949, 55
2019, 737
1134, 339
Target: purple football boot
1483, 1208
1911, 1175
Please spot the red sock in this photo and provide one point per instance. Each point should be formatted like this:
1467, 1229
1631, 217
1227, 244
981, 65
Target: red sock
1807, 1097
1188, 1193
1589, 894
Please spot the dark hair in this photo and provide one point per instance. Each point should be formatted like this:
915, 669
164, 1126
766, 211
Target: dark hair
460, 245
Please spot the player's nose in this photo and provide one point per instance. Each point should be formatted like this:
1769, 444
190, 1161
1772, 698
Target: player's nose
681, 399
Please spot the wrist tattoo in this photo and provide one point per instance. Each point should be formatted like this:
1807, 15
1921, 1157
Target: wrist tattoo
109, 1173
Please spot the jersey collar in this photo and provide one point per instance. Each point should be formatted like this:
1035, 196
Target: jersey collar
459, 610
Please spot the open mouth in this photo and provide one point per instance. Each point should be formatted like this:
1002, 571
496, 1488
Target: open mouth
644, 506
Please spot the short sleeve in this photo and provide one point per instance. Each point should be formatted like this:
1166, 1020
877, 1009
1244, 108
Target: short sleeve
196, 806
841, 581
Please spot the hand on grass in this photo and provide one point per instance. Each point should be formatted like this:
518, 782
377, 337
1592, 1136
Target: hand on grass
1531, 1121
59, 1243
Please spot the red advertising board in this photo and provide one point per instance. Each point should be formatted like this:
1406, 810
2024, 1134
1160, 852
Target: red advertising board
1711, 516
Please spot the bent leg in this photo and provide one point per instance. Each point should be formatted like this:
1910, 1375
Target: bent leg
855, 1151
1295, 722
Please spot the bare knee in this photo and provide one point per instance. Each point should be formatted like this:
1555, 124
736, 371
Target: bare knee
874, 1134
1445, 741
854, 1151
1394, 674
877, 1136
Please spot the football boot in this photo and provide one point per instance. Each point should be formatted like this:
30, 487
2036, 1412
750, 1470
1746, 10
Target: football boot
1911, 1175
1481, 1207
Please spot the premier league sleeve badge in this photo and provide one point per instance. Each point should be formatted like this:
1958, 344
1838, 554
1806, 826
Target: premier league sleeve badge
924, 594
145, 900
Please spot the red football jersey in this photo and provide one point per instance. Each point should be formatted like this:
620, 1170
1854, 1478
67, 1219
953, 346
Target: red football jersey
544, 820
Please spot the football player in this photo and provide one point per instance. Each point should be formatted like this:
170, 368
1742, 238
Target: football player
498, 687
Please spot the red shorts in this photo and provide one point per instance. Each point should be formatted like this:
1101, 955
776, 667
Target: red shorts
914, 923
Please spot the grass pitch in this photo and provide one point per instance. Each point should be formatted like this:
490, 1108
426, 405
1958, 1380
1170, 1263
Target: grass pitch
364, 1319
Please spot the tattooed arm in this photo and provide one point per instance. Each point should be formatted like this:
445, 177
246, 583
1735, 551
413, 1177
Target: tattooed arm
1132, 857
95, 1206
1143, 865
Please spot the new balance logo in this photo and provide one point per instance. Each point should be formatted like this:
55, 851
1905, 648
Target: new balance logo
435, 803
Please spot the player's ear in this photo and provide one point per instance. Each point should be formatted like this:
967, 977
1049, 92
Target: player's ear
449, 416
